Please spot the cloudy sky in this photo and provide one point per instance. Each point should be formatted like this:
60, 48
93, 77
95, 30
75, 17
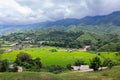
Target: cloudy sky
30, 11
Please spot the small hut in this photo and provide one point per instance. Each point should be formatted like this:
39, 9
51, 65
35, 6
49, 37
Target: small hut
16, 46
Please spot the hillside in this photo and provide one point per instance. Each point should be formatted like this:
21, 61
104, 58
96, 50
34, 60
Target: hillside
65, 39
88, 36
99, 24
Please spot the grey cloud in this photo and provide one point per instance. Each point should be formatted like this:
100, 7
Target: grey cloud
44, 10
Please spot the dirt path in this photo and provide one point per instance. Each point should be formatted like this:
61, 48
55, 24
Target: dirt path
85, 48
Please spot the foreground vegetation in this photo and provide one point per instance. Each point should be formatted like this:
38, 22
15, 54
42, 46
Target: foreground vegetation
112, 74
109, 74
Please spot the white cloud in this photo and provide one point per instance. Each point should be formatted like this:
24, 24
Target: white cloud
12, 4
25, 11
13, 12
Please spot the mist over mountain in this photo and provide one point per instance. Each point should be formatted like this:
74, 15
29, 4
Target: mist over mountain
113, 18
108, 23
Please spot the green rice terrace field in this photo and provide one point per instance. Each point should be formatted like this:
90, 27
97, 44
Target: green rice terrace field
60, 56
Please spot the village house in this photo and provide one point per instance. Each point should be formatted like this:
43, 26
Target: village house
84, 68
68, 50
81, 68
16, 46
20, 69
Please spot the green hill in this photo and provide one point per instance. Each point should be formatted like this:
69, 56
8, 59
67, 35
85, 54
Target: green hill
88, 37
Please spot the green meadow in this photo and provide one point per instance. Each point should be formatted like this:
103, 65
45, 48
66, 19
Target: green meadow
60, 57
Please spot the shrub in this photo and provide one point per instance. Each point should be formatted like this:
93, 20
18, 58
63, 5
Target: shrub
4, 65
53, 50
22, 57
55, 69
95, 63
117, 54
25, 60
1, 51
109, 63
37, 65
69, 67
79, 63
106, 62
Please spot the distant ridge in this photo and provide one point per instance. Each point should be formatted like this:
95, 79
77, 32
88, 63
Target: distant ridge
104, 21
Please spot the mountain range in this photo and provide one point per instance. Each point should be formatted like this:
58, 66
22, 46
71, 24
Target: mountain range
99, 24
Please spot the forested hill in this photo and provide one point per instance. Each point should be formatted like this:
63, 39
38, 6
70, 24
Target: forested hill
105, 23
98, 42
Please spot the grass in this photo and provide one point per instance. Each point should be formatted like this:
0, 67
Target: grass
108, 74
57, 58
29, 76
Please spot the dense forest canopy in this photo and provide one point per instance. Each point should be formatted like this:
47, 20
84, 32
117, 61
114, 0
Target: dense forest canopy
98, 42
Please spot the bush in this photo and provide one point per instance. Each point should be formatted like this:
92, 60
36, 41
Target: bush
117, 54
14, 68
69, 67
25, 60
53, 50
55, 69
22, 56
1, 51
37, 65
79, 63
109, 63
4, 66
95, 63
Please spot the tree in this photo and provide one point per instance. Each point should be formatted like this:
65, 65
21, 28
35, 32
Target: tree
4, 65
25, 60
37, 63
23, 57
109, 63
95, 63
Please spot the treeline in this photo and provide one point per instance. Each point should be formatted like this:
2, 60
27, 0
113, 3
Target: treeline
98, 42
109, 43
55, 38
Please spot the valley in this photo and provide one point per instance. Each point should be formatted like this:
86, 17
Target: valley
48, 50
